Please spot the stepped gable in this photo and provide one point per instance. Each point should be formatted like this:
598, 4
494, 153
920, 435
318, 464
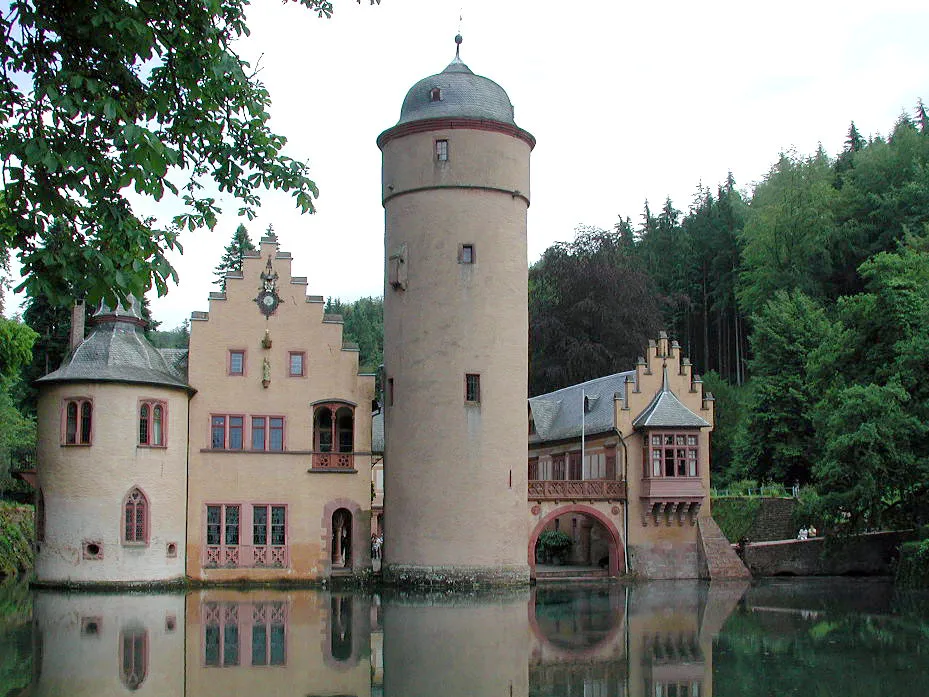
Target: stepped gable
667, 411
117, 351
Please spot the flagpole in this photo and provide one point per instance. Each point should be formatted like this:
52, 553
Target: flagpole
583, 427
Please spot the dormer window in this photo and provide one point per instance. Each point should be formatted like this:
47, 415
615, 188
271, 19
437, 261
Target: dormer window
435, 94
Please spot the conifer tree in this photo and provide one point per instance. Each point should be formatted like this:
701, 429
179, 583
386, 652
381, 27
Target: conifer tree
233, 254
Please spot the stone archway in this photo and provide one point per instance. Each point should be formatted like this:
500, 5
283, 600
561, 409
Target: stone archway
614, 539
341, 546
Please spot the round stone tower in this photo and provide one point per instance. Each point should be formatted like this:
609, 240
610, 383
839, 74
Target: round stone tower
112, 458
455, 192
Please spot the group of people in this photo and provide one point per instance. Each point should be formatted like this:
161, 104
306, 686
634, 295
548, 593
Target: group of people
806, 533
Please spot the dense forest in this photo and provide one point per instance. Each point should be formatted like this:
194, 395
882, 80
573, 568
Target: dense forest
805, 302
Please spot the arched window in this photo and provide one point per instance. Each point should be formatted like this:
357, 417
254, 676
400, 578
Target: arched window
135, 522
78, 415
341, 546
346, 429
322, 425
152, 424
133, 663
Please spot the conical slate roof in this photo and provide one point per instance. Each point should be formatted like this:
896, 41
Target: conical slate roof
667, 411
117, 351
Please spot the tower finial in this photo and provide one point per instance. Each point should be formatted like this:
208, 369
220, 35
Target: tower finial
458, 41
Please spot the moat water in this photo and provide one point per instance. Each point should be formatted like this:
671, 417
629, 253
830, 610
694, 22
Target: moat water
816, 637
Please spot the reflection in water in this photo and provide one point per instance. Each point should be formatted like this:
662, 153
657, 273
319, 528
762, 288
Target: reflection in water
662, 639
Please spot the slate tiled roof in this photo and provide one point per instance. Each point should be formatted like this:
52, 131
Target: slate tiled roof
557, 415
667, 411
377, 432
463, 95
117, 351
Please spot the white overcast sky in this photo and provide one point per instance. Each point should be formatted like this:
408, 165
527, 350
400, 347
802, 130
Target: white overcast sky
628, 101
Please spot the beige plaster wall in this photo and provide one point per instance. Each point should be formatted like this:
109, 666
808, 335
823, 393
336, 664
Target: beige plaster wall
475, 158
449, 465
85, 486
281, 478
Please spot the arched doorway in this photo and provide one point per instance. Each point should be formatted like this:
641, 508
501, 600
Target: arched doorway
341, 538
593, 539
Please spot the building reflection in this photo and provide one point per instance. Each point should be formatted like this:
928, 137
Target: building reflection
108, 644
276, 642
653, 640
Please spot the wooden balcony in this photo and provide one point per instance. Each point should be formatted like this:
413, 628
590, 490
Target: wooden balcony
577, 490
333, 461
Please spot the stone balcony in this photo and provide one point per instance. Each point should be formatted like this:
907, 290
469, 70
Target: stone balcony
577, 490
333, 461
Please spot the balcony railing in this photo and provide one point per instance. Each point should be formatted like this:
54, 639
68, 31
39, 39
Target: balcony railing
333, 461
248, 556
574, 490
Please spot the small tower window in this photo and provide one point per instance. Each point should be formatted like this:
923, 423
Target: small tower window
435, 94
473, 388
441, 150
466, 254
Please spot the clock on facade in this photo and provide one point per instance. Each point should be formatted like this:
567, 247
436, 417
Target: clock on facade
267, 297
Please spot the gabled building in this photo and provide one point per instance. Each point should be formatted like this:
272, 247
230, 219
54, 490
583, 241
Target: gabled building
621, 464
246, 458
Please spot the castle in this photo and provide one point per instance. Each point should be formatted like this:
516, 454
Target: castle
251, 456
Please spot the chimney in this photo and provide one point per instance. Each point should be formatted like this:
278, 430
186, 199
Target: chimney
77, 325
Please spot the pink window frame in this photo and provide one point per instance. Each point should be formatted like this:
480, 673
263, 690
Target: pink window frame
687, 447
245, 616
79, 423
229, 370
290, 355
152, 403
246, 428
146, 518
267, 429
245, 554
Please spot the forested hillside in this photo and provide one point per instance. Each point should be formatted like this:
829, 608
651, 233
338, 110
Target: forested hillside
806, 300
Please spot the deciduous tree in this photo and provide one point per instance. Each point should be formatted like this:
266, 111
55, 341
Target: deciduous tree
105, 96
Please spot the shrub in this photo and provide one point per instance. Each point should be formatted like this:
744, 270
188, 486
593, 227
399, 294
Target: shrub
913, 566
552, 543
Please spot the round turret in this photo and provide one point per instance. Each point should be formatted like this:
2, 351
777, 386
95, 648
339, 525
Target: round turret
112, 458
455, 193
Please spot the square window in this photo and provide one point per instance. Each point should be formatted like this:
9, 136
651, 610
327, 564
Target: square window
441, 150
297, 364
466, 254
237, 362
473, 388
